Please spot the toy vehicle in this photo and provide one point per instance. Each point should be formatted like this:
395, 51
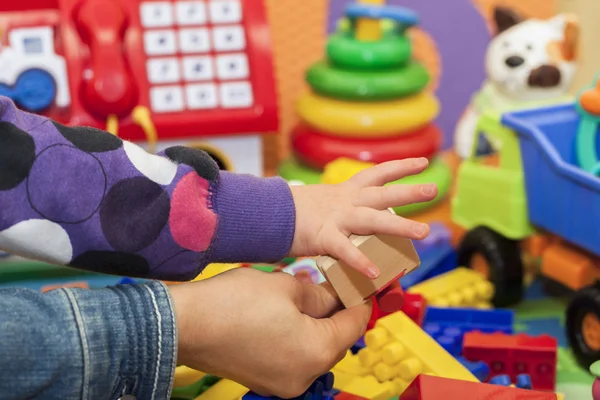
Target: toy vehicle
531, 201
32, 73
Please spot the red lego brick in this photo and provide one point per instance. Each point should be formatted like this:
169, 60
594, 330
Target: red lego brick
426, 387
348, 396
515, 354
414, 306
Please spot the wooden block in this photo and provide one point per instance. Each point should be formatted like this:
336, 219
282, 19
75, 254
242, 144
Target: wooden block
394, 256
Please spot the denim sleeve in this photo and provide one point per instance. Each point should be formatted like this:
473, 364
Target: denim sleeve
73, 344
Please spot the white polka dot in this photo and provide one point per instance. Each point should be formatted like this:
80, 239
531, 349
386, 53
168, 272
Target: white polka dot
156, 168
38, 239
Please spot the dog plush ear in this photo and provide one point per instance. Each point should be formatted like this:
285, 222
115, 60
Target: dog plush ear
505, 18
565, 49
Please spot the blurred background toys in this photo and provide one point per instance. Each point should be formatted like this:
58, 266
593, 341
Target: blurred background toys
367, 102
529, 62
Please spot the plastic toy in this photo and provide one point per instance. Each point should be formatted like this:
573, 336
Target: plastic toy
458, 288
529, 62
523, 381
538, 202
397, 351
321, 389
477, 368
448, 325
413, 305
514, 355
424, 142
392, 255
76, 284
427, 387
595, 370
367, 120
188, 73
368, 102
588, 106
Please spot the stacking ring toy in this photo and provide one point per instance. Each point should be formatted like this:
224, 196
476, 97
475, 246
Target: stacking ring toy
318, 149
368, 120
367, 85
292, 170
392, 51
404, 17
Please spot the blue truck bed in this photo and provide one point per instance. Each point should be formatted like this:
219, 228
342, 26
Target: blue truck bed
562, 198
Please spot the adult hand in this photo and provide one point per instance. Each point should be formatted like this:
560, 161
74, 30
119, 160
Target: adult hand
266, 331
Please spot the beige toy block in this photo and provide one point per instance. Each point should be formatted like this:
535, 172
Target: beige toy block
394, 256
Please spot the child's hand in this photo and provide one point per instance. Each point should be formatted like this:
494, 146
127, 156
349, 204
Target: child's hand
326, 215
267, 331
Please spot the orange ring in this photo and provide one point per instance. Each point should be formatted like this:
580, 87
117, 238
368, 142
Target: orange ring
317, 149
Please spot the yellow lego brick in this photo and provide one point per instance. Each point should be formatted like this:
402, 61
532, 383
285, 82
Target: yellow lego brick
342, 379
462, 287
215, 269
342, 169
224, 390
560, 396
351, 365
397, 350
185, 376
369, 388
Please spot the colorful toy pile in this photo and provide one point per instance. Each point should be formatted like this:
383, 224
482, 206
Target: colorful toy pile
368, 101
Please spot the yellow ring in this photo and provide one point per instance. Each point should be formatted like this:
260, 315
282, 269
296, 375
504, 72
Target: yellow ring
372, 119
213, 151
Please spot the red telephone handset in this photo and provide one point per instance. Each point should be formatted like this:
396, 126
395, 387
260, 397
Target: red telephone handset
110, 90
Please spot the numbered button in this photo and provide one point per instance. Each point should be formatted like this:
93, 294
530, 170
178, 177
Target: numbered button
194, 40
166, 99
225, 11
160, 43
230, 38
232, 66
201, 96
156, 14
191, 13
198, 68
236, 95
163, 70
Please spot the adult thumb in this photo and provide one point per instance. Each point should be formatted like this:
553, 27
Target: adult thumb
350, 324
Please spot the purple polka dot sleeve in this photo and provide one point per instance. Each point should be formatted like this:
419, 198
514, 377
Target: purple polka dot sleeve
82, 197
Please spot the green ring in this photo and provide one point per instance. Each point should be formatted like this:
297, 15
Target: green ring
392, 51
438, 172
367, 85
292, 170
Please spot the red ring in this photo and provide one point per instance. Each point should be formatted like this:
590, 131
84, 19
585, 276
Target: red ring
318, 149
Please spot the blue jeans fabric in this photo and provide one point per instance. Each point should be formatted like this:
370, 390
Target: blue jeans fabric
73, 344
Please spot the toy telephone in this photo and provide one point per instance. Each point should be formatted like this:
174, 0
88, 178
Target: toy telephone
142, 69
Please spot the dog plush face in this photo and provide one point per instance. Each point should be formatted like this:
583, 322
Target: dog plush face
532, 59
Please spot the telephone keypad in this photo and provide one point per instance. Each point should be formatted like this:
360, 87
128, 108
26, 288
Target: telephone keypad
195, 55
163, 70
225, 11
201, 96
191, 13
157, 14
166, 99
160, 42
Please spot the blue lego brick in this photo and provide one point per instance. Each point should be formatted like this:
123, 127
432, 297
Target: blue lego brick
477, 368
501, 380
434, 262
524, 382
448, 325
321, 389
127, 281
439, 235
360, 344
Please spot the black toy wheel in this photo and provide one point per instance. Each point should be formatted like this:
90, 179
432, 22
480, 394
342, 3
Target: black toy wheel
499, 259
583, 325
